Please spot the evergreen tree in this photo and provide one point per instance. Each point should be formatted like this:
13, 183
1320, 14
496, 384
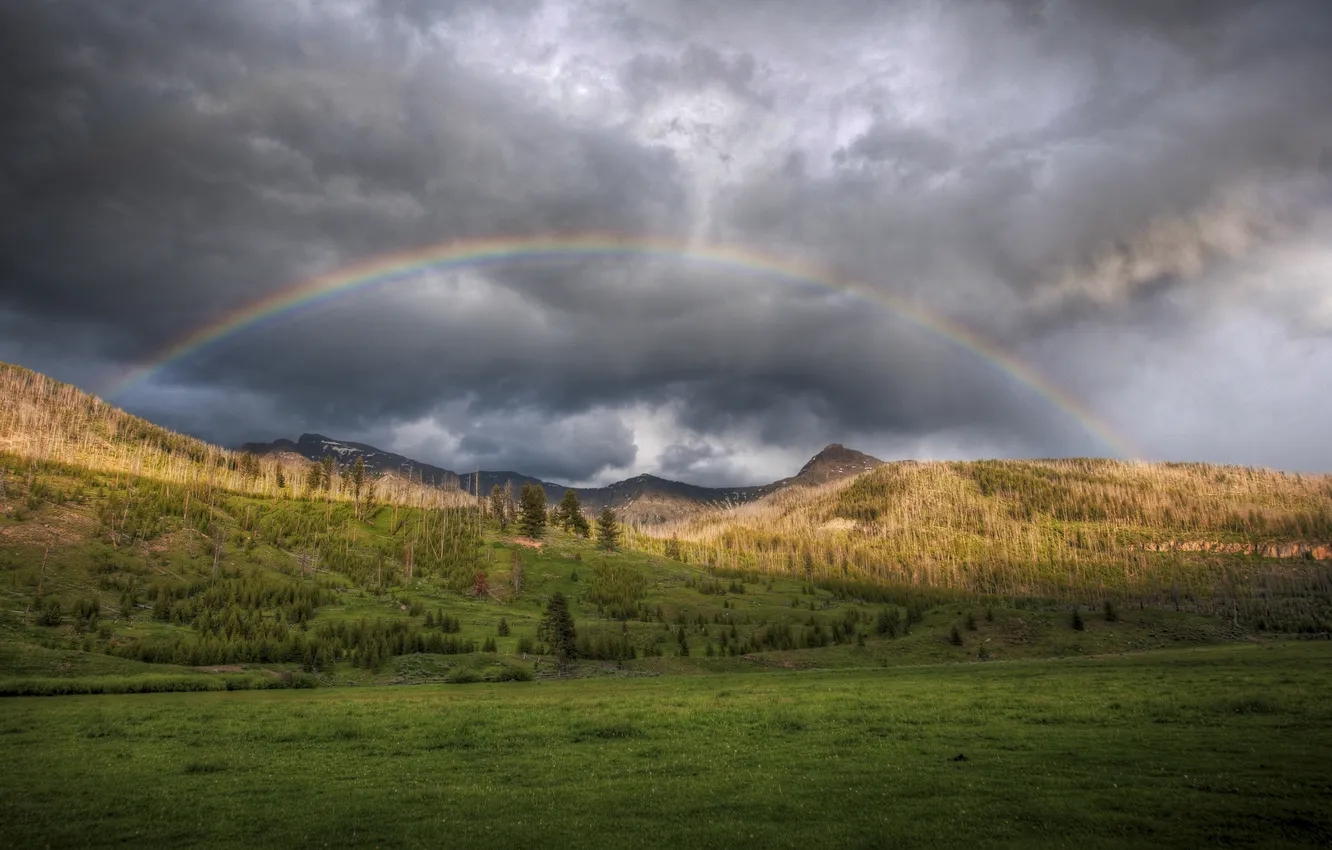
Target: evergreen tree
503, 629
499, 508
328, 465
532, 507
357, 482
460, 550
1078, 625
608, 530
569, 514
557, 629
127, 605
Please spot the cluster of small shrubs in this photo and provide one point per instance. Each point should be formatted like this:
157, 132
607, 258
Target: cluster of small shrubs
161, 683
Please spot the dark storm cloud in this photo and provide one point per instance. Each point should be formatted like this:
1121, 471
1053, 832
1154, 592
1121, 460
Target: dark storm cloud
1055, 175
1155, 168
271, 154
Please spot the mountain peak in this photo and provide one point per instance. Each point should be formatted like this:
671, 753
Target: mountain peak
835, 461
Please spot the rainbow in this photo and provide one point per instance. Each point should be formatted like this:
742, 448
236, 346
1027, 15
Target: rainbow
471, 253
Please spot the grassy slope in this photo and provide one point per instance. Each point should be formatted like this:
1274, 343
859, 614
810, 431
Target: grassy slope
1180, 748
1065, 528
67, 538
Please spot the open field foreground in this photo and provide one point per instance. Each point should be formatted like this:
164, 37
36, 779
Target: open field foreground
1212, 746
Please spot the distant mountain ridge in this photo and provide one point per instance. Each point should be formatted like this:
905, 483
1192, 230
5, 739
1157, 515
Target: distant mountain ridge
643, 498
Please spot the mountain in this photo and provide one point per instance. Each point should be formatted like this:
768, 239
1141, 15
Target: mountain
832, 464
316, 446
644, 499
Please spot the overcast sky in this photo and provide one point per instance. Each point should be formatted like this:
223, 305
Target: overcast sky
1131, 197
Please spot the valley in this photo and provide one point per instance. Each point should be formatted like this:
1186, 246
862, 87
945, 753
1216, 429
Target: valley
200, 622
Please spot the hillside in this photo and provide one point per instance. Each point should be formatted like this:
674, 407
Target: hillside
1060, 528
42, 419
141, 550
641, 500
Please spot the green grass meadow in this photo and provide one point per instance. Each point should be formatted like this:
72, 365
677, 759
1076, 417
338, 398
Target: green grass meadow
1227, 745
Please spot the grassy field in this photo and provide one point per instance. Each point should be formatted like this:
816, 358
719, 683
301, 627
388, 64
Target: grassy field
1212, 746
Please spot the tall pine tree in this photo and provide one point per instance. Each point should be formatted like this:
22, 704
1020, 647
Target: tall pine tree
570, 514
499, 508
608, 530
532, 511
557, 629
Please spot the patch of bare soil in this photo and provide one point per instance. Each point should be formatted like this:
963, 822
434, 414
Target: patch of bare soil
52, 527
528, 542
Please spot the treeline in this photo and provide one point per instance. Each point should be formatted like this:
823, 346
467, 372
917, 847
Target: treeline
151, 684
366, 643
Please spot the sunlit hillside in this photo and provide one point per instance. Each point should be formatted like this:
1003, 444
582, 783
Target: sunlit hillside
1064, 528
45, 420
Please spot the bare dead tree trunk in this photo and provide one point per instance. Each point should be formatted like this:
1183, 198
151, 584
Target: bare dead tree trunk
42, 576
217, 546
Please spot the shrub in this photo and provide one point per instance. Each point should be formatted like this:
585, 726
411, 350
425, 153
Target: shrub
1077, 623
49, 613
956, 637
1111, 615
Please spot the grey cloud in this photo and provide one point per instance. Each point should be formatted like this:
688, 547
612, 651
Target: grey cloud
1060, 177
648, 76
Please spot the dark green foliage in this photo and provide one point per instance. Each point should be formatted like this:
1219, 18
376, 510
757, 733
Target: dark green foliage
601, 646
616, 589
557, 629
955, 638
500, 509
503, 629
1077, 623
48, 612
87, 610
888, 622
1111, 614
159, 683
569, 515
127, 603
971, 622
682, 641
328, 466
532, 511
608, 530
445, 623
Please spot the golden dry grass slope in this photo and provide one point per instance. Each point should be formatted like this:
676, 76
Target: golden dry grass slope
42, 419
1068, 529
